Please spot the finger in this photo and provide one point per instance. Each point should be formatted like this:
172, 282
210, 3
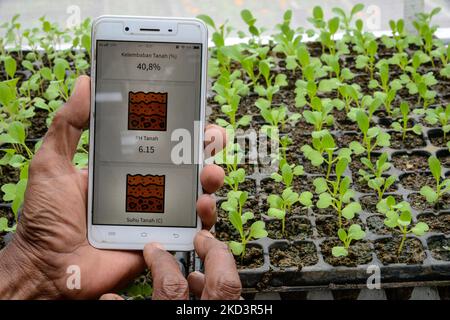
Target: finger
206, 210
111, 296
168, 282
60, 143
196, 281
221, 277
215, 140
211, 178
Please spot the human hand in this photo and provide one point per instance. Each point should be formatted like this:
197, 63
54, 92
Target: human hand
51, 232
219, 282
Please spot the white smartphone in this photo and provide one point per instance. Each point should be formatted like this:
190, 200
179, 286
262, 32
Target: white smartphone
148, 98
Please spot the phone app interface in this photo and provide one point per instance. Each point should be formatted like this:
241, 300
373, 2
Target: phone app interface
147, 111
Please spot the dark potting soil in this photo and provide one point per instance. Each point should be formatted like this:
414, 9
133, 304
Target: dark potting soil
297, 255
410, 162
38, 126
296, 228
225, 231
376, 225
369, 202
419, 203
444, 158
9, 174
359, 253
439, 247
437, 223
300, 184
437, 139
415, 181
253, 258
412, 252
329, 226
412, 141
248, 185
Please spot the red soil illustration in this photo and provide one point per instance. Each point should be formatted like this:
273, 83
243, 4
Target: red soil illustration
147, 111
145, 193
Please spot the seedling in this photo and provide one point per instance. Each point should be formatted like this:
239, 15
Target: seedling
403, 125
389, 88
441, 116
368, 61
399, 38
320, 116
254, 31
399, 217
280, 206
322, 151
346, 20
234, 206
275, 116
229, 96
287, 174
271, 87
442, 185
354, 233
289, 40
337, 193
372, 137
231, 156
374, 177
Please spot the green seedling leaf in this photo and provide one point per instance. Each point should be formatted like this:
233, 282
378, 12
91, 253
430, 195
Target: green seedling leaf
351, 210
306, 199
320, 184
355, 232
429, 194
277, 213
236, 247
325, 200
420, 229
339, 251
258, 230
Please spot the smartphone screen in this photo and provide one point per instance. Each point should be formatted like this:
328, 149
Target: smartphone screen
147, 113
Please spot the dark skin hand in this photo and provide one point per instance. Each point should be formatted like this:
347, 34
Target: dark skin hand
51, 233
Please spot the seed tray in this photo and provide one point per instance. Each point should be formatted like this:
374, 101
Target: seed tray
432, 265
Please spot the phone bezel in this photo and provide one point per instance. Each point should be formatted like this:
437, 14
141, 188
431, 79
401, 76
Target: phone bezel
135, 237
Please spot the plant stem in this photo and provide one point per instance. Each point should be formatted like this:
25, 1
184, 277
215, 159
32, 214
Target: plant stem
402, 242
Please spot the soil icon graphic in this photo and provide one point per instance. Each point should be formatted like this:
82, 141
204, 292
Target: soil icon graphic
145, 193
147, 111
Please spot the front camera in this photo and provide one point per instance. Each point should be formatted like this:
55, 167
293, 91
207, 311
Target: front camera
127, 29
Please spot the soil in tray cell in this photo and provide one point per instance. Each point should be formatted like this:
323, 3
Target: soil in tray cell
296, 228
38, 126
419, 203
376, 225
329, 226
411, 162
437, 223
147, 111
359, 253
412, 252
415, 181
145, 193
439, 247
298, 255
253, 258
8, 174
412, 141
